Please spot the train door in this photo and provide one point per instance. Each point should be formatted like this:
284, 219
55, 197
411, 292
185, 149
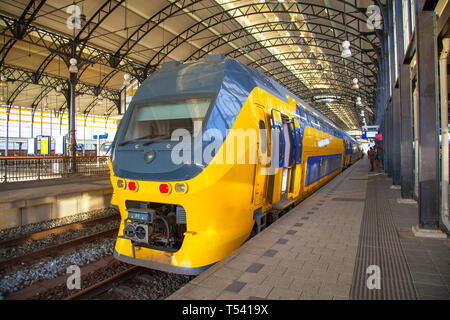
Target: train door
277, 157
287, 139
262, 150
286, 160
297, 138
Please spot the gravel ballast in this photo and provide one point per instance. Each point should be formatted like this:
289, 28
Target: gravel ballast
34, 245
12, 233
49, 268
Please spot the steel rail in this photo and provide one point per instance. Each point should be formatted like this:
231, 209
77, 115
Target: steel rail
102, 286
27, 257
55, 231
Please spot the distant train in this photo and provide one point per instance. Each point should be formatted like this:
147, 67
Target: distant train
183, 217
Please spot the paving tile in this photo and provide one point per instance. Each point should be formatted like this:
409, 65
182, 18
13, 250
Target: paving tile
282, 241
202, 293
236, 286
248, 257
269, 261
256, 298
284, 294
433, 298
309, 296
345, 278
228, 273
270, 253
446, 280
253, 278
340, 298
256, 291
238, 265
416, 253
430, 290
443, 269
419, 259
306, 285
255, 268
425, 268
298, 225
278, 281
305, 218
335, 290
216, 283
324, 276
291, 232
227, 295
427, 278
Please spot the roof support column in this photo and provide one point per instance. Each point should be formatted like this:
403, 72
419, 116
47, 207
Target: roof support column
406, 145
427, 67
394, 147
385, 101
72, 144
390, 138
396, 128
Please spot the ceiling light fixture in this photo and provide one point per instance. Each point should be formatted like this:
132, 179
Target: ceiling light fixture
73, 65
126, 79
346, 52
3, 80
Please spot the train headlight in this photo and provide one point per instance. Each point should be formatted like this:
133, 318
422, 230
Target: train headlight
140, 233
120, 184
149, 156
181, 187
129, 231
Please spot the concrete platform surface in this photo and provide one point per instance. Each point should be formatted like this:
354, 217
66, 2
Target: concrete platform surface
50, 200
352, 239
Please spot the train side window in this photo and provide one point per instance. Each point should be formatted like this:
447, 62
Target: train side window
281, 146
317, 120
302, 115
263, 135
299, 149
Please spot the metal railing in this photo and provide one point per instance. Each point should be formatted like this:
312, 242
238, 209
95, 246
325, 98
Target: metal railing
15, 169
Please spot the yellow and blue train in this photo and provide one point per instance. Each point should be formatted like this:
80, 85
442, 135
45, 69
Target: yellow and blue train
183, 217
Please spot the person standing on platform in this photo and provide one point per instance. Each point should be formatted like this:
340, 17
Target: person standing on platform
371, 155
379, 157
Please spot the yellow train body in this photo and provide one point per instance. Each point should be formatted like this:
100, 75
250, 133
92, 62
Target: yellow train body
221, 201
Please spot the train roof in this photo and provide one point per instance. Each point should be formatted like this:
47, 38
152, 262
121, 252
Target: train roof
208, 74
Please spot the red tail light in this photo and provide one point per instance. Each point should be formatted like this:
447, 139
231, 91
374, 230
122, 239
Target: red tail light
164, 188
132, 186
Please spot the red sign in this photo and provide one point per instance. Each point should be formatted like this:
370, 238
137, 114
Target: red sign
379, 137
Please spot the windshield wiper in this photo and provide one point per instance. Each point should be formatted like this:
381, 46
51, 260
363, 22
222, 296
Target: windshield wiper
135, 140
156, 139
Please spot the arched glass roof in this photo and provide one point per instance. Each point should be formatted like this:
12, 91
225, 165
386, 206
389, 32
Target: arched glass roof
298, 43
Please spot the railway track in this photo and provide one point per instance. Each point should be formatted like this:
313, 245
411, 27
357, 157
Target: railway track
104, 285
55, 231
55, 249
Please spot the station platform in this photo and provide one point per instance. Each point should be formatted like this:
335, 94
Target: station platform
30, 202
354, 231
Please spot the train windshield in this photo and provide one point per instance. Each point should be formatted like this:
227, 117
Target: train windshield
160, 120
